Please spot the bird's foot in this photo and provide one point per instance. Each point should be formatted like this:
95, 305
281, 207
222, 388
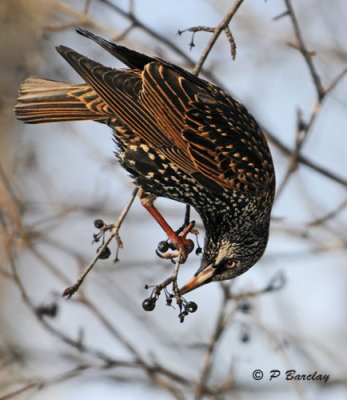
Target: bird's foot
179, 243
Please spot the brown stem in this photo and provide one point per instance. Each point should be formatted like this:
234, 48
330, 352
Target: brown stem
218, 30
71, 290
303, 50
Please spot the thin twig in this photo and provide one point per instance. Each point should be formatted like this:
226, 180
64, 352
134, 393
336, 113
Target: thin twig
44, 383
175, 274
304, 160
77, 344
303, 129
231, 41
303, 50
71, 290
162, 39
23, 389
211, 346
300, 133
330, 215
194, 30
9, 186
221, 26
223, 319
279, 16
199, 28
79, 16
335, 81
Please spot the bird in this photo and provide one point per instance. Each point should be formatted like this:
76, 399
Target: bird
179, 137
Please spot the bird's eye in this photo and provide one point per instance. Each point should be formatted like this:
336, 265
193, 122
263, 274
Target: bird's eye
229, 263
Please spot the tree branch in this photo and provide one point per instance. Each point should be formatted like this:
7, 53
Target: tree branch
303, 50
220, 27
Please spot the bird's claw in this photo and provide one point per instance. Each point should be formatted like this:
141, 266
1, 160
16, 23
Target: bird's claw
182, 245
168, 255
184, 249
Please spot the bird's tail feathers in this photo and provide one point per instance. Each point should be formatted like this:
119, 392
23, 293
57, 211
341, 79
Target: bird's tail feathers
42, 100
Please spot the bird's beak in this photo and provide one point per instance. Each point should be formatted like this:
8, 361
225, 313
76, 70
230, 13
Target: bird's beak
198, 280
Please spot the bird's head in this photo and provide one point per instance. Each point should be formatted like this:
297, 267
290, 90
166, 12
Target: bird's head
227, 258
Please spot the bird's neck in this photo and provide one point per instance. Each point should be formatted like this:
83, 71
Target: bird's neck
238, 224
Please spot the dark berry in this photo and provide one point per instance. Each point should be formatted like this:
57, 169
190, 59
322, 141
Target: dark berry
99, 223
245, 337
105, 254
163, 246
50, 310
172, 246
244, 306
148, 304
191, 307
198, 251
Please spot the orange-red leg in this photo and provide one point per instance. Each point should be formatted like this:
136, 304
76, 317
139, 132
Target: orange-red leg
181, 243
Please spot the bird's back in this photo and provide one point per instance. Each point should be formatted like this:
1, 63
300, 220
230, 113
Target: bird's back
179, 136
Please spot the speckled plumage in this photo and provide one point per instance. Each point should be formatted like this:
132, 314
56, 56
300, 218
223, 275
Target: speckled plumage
179, 137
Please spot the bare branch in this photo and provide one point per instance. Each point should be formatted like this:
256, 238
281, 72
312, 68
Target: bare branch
23, 389
207, 363
221, 26
305, 161
335, 81
303, 50
71, 290
280, 16
330, 215
232, 42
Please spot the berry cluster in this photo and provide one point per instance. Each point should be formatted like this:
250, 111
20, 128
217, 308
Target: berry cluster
185, 307
100, 224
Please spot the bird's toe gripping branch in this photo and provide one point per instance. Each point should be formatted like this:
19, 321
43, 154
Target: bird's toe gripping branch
181, 248
177, 241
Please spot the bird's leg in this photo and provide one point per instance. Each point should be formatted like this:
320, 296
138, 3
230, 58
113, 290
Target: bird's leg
164, 245
183, 245
186, 221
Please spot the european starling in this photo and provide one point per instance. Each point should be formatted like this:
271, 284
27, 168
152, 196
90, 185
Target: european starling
179, 137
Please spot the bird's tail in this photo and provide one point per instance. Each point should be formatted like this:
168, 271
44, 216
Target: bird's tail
43, 100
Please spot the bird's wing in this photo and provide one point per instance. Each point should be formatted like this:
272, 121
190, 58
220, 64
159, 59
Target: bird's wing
195, 125
131, 58
228, 146
224, 145
120, 90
